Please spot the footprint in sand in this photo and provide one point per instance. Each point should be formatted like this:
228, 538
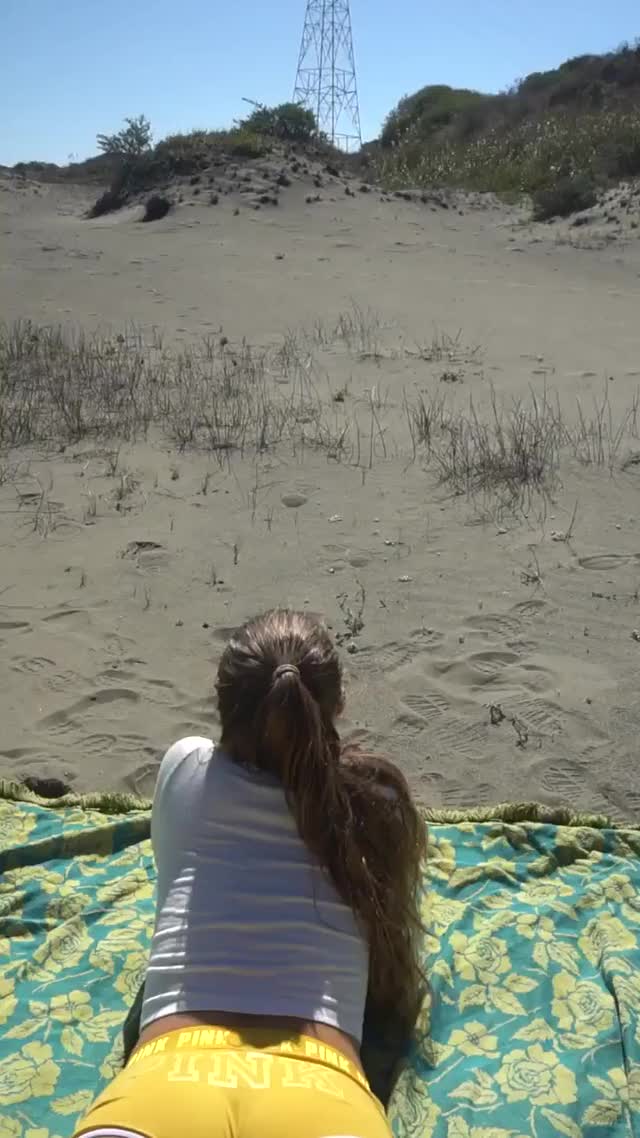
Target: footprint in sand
426, 704
395, 654
571, 782
138, 745
66, 614
198, 709
102, 743
107, 695
407, 727
447, 734
98, 744
455, 794
565, 780
539, 715
114, 674
626, 717
142, 780
495, 624
31, 665
531, 608
63, 722
386, 657
607, 561
632, 804
59, 724
491, 663
15, 626
476, 670
25, 754
63, 681
162, 691
151, 689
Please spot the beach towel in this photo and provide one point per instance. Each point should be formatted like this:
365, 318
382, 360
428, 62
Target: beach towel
531, 1027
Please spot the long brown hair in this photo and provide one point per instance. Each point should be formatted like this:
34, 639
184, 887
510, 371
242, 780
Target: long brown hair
280, 691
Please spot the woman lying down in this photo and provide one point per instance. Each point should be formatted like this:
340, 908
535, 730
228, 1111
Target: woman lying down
288, 870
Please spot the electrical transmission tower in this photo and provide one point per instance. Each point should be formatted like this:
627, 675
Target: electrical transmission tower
326, 76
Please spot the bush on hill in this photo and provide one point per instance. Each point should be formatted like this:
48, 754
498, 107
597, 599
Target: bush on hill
156, 207
429, 111
579, 121
567, 196
134, 139
178, 155
110, 200
289, 122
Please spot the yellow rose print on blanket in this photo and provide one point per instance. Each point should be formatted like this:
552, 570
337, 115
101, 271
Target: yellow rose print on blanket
10, 1127
482, 958
633, 1087
581, 1006
131, 974
8, 1001
546, 893
605, 933
64, 947
13, 1128
71, 1007
441, 854
16, 824
27, 1074
616, 888
47, 880
537, 1075
532, 925
442, 914
66, 904
474, 1039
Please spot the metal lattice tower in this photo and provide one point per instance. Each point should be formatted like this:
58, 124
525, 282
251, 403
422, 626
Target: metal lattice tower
326, 77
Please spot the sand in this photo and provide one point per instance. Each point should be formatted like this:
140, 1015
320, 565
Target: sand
499, 650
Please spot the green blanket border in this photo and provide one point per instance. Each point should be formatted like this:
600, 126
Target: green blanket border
117, 802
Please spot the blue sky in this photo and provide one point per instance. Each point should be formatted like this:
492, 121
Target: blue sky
72, 68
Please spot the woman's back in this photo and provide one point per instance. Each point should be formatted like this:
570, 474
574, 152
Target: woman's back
246, 921
288, 890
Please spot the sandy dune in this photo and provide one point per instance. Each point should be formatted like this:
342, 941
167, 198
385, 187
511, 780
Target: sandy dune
497, 660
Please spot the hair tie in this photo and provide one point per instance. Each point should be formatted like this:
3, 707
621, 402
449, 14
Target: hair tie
286, 670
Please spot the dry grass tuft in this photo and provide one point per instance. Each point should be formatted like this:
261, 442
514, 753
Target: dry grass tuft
514, 451
60, 386
514, 448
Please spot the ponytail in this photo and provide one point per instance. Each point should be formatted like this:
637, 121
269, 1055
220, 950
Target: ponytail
355, 813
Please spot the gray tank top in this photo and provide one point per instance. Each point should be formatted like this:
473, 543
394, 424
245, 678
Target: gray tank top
246, 921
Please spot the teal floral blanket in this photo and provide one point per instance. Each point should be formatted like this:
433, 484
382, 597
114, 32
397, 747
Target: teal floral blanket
532, 1028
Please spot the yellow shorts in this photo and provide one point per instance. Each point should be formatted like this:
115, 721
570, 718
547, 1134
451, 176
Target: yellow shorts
214, 1083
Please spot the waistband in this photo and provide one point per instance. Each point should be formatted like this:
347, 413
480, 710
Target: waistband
251, 1039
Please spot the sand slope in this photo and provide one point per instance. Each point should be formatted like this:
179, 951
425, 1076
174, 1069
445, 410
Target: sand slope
497, 661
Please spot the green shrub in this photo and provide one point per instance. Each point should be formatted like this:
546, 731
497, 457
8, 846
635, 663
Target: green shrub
569, 195
289, 122
134, 139
112, 199
585, 83
188, 154
580, 120
156, 207
184, 154
245, 144
524, 157
421, 115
